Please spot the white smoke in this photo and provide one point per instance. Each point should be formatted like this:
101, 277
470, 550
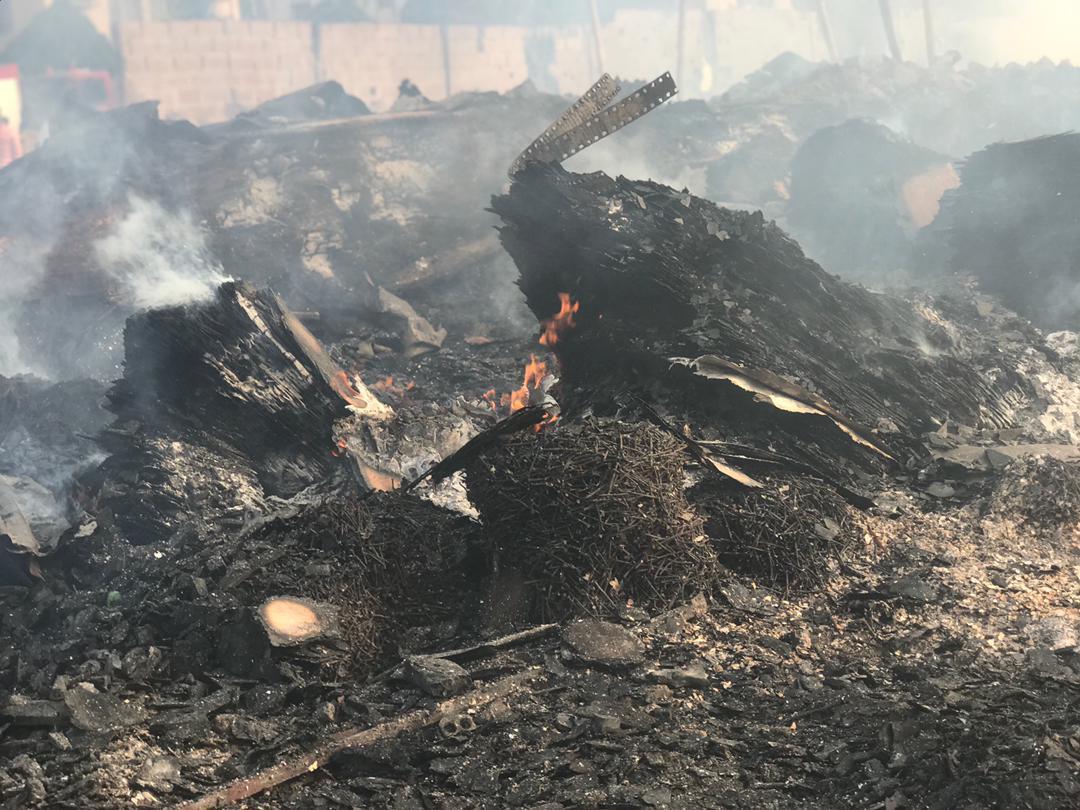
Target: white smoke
158, 258
22, 264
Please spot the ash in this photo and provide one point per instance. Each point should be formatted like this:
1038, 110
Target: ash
587, 490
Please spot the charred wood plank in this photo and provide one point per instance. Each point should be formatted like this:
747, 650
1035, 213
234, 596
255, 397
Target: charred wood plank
661, 274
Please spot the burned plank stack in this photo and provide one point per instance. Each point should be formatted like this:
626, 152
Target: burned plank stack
784, 508
717, 318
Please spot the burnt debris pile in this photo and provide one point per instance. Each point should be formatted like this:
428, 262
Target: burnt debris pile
1009, 226
741, 533
717, 319
222, 406
346, 214
591, 515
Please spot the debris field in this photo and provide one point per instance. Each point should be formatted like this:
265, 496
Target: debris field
544, 490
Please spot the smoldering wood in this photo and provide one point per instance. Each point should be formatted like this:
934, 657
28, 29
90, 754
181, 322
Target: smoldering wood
221, 407
314, 198
661, 274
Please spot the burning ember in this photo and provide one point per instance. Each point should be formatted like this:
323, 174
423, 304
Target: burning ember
388, 385
343, 386
535, 371
562, 321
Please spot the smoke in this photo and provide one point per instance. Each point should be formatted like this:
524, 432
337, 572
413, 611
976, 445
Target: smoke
149, 257
24, 263
158, 258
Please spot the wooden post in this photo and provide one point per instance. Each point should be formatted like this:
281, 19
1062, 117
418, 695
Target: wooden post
826, 30
597, 45
444, 37
680, 45
928, 22
890, 30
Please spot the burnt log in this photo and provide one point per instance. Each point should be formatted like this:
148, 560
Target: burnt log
222, 406
771, 353
1011, 225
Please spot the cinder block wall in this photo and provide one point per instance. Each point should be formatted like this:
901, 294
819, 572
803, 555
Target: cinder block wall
370, 59
208, 71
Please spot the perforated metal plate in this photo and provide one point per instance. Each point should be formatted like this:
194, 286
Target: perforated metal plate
592, 102
558, 143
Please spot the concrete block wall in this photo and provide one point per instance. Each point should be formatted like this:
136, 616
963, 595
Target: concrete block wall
207, 71
371, 59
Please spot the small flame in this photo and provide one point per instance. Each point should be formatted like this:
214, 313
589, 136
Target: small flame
562, 321
387, 385
340, 447
535, 371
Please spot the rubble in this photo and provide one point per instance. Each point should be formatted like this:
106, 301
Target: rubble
788, 529
604, 644
1007, 227
820, 372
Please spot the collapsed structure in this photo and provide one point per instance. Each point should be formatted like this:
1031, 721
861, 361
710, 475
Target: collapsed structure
773, 496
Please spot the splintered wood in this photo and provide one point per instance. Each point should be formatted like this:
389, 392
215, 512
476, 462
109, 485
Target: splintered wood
360, 738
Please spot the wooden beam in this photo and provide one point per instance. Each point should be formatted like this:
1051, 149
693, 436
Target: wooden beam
680, 44
448, 79
890, 30
826, 30
928, 23
597, 44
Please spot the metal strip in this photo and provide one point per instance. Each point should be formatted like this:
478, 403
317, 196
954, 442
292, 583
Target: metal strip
612, 119
591, 103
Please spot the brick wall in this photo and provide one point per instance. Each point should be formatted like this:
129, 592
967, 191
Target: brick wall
207, 71
371, 59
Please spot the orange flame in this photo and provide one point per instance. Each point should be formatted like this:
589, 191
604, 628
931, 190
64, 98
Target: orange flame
535, 371
387, 385
560, 322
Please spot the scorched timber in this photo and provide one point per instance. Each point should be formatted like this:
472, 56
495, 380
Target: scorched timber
717, 317
222, 405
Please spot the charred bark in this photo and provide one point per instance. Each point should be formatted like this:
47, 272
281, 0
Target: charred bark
1011, 226
221, 407
779, 355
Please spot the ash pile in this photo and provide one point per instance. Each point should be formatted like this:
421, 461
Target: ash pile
742, 533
